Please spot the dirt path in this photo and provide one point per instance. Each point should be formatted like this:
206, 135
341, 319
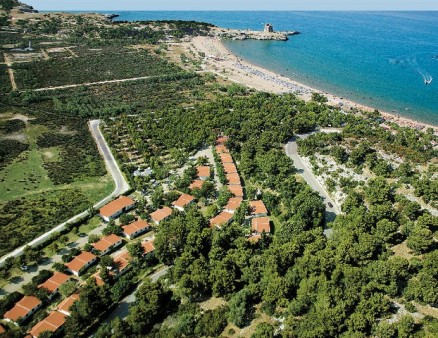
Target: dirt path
69, 49
88, 84
8, 63
45, 55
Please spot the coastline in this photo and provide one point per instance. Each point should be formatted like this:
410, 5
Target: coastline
220, 61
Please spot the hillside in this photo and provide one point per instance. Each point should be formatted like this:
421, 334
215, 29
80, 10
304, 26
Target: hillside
255, 252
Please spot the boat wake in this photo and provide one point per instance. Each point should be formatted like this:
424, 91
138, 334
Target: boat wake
427, 78
412, 63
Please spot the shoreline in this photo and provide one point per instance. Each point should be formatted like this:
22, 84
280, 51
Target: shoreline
224, 63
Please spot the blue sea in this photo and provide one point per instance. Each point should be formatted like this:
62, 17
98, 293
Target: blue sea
381, 59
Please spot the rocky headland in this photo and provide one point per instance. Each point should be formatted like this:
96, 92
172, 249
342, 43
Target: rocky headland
237, 34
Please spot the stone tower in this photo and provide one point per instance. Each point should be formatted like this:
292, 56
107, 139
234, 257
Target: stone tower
268, 28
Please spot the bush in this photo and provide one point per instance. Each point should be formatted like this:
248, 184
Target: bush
212, 323
9, 301
42, 277
263, 330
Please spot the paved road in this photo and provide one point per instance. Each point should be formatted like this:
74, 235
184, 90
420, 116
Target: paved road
122, 310
17, 283
110, 162
291, 149
121, 187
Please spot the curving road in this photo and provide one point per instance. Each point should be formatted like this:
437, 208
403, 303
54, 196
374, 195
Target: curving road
291, 149
122, 310
119, 180
110, 163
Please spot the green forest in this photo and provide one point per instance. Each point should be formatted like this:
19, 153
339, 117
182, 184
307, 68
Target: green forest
346, 285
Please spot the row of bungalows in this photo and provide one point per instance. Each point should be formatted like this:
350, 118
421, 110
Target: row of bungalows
53, 283
23, 309
260, 222
161, 215
196, 184
52, 323
107, 244
230, 169
233, 204
164, 213
203, 173
56, 319
136, 228
81, 262
183, 202
28, 305
65, 306
122, 261
117, 207
226, 215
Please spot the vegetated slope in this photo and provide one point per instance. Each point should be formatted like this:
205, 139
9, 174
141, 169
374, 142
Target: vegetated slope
339, 286
98, 66
52, 172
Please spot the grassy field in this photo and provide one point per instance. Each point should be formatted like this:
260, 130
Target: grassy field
30, 201
26, 175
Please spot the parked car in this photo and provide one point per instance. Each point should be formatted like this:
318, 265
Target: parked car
330, 205
24, 268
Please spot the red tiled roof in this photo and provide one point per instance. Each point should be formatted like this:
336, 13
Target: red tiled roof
221, 140
80, 261
51, 323
222, 149
148, 246
135, 226
115, 206
54, 282
98, 279
258, 207
66, 304
220, 219
196, 184
183, 200
226, 158
236, 190
2, 329
260, 224
230, 168
22, 308
233, 179
203, 171
234, 203
106, 242
122, 260
161, 214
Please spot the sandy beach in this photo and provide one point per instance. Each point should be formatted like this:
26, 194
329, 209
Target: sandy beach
222, 62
